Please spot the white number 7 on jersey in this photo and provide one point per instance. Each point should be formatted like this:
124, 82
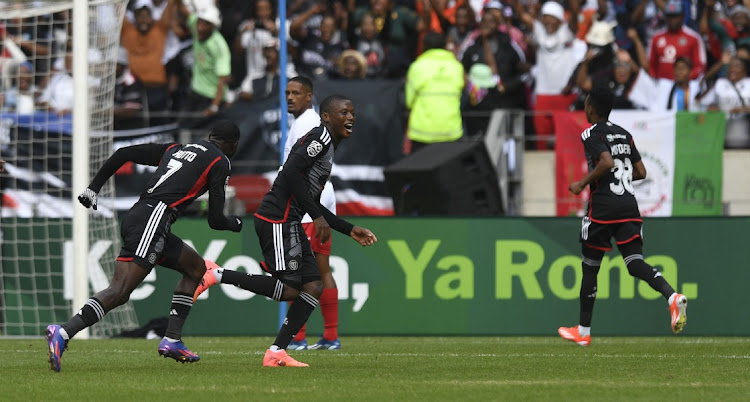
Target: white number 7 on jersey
172, 167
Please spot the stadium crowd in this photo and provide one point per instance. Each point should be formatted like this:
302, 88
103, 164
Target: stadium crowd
532, 55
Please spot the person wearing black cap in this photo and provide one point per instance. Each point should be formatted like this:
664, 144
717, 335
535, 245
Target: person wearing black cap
184, 173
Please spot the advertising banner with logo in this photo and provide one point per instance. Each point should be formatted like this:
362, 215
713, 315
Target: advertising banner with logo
432, 276
477, 277
682, 153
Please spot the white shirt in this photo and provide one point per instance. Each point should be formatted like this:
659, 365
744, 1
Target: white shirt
59, 92
653, 94
302, 125
726, 96
556, 58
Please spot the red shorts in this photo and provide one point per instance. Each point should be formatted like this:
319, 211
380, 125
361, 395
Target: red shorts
317, 248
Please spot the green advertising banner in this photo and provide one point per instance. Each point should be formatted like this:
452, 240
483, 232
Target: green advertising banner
481, 277
699, 143
488, 276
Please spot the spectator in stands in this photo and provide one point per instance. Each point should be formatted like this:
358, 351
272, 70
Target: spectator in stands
352, 65
401, 26
434, 85
212, 65
493, 51
718, 31
465, 23
732, 96
743, 53
33, 37
267, 85
557, 55
128, 100
438, 15
145, 40
676, 41
57, 95
503, 15
597, 66
164, 17
254, 33
627, 14
18, 89
367, 40
659, 94
740, 16
319, 49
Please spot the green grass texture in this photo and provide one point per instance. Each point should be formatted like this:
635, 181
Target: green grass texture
386, 368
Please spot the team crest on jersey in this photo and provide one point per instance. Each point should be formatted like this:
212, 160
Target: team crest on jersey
314, 148
293, 265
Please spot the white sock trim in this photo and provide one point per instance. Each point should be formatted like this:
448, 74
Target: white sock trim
584, 331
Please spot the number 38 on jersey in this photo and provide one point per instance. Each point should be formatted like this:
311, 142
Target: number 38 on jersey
623, 172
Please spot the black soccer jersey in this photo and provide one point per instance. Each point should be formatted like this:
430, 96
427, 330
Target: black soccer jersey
612, 195
297, 188
184, 173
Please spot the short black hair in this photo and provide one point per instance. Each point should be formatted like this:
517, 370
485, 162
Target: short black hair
683, 59
304, 81
433, 40
225, 131
327, 104
601, 98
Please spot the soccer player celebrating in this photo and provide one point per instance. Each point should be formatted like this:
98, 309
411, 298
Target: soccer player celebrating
299, 94
614, 162
185, 172
286, 250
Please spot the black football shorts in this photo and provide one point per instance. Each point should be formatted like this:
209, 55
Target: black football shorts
146, 236
599, 235
287, 252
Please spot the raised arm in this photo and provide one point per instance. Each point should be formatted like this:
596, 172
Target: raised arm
639, 50
574, 9
296, 29
143, 154
525, 17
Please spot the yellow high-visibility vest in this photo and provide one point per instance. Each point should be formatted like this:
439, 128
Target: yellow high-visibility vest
434, 85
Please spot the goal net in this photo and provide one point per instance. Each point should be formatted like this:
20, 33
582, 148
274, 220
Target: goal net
36, 109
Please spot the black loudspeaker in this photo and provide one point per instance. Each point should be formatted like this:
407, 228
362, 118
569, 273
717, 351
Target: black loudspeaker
453, 178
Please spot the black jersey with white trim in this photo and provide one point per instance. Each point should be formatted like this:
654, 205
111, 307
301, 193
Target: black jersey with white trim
612, 196
188, 171
310, 159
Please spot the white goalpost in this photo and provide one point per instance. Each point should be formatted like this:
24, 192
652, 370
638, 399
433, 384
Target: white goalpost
57, 81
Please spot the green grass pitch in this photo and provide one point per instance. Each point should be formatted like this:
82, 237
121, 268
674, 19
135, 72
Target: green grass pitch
387, 368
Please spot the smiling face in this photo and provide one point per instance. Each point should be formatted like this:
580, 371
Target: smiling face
327, 28
339, 119
143, 19
736, 70
551, 24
